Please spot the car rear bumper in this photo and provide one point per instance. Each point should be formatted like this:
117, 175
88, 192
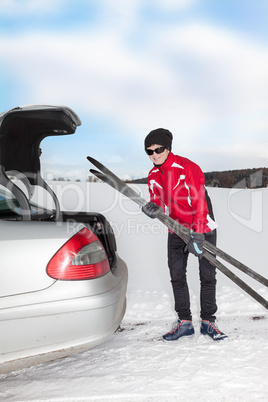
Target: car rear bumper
31, 334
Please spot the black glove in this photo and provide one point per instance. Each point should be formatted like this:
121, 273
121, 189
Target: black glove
151, 209
196, 244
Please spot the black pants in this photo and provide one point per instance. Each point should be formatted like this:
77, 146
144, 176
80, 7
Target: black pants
177, 262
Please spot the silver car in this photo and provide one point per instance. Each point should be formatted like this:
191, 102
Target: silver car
62, 283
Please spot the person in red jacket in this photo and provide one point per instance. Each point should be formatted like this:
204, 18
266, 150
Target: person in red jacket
177, 186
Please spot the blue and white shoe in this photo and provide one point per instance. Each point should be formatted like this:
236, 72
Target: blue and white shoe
181, 328
210, 328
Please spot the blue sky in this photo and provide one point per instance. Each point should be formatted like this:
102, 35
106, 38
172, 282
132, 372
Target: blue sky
196, 67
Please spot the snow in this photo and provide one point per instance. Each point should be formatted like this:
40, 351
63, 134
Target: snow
135, 365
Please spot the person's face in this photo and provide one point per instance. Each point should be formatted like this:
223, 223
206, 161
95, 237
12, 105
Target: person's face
158, 158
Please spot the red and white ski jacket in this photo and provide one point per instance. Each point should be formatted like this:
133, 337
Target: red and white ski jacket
178, 187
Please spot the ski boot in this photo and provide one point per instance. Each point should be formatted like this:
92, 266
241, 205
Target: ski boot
181, 328
210, 328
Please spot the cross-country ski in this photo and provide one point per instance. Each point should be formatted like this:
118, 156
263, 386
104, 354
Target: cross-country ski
111, 179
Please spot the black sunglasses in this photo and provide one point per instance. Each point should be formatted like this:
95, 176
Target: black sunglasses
158, 150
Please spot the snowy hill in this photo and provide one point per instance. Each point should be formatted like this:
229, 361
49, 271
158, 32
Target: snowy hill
242, 217
135, 365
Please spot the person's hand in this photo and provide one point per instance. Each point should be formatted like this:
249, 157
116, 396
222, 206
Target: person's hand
151, 209
196, 244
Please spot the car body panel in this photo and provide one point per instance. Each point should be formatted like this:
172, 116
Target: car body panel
60, 317
21, 250
50, 325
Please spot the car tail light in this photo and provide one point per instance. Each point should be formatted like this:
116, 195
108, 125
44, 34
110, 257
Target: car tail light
81, 257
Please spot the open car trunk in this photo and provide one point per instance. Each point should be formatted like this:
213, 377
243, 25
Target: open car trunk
23, 128
21, 131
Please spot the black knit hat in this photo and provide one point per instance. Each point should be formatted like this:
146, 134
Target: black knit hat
159, 136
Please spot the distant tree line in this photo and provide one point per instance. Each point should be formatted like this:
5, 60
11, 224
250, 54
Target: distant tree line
243, 178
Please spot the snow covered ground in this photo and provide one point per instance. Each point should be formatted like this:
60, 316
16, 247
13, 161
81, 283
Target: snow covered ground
135, 365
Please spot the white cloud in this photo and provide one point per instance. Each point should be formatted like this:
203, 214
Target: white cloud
222, 64
230, 157
247, 150
186, 78
109, 8
129, 10
29, 7
173, 5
